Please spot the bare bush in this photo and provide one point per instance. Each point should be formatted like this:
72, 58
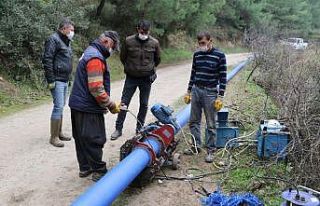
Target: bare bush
292, 78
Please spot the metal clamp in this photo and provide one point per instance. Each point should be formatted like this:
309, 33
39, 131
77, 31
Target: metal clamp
149, 149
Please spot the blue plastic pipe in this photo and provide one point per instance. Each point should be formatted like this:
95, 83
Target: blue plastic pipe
235, 70
107, 189
182, 117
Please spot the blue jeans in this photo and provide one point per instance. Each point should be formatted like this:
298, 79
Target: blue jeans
202, 99
59, 95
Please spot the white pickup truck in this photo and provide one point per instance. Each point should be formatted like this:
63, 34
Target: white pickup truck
296, 43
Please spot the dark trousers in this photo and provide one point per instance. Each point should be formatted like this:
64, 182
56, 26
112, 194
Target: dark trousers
89, 133
130, 86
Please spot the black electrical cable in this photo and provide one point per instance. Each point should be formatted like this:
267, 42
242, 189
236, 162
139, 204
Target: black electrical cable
197, 177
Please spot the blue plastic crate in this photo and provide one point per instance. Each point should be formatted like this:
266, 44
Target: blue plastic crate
224, 134
272, 144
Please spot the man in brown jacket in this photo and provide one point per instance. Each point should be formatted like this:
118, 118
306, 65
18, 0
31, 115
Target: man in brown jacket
140, 55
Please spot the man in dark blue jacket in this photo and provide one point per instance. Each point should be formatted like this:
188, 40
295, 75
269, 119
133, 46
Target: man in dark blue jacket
57, 63
89, 100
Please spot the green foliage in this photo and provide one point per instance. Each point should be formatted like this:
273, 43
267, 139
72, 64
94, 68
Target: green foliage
167, 16
292, 16
315, 9
241, 14
26, 24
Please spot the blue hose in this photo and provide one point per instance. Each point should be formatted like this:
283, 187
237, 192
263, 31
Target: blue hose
218, 199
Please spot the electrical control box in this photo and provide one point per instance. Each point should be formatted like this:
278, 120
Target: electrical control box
273, 138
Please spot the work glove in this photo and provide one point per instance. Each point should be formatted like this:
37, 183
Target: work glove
52, 85
218, 104
187, 98
116, 108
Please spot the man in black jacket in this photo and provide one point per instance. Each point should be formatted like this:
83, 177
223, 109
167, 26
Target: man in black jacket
140, 55
57, 63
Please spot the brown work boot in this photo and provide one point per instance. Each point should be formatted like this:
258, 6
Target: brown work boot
62, 137
55, 130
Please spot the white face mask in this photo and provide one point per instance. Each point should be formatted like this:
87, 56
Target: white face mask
203, 48
110, 51
70, 35
143, 37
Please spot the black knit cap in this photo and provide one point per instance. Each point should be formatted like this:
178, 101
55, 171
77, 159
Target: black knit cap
115, 38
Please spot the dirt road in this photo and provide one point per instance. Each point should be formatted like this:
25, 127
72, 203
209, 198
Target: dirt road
32, 172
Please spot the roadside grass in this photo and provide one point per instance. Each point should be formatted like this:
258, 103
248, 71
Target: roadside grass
249, 103
250, 176
173, 56
24, 95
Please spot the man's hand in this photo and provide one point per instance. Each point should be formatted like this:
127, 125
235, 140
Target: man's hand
52, 85
116, 108
187, 98
218, 104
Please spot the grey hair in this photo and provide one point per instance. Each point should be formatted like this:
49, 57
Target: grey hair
112, 35
65, 23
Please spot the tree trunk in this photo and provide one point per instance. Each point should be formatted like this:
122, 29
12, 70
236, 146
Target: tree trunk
100, 7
